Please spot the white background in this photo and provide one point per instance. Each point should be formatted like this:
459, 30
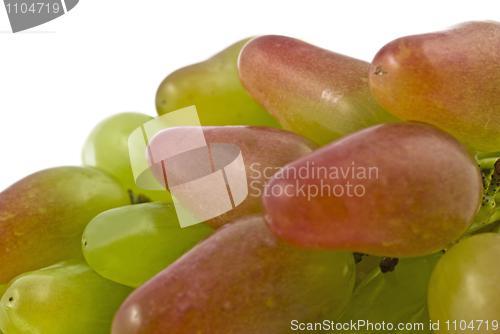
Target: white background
60, 79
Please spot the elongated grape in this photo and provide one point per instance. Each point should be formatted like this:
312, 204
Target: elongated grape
106, 148
240, 280
315, 92
397, 297
264, 151
68, 297
42, 217
464, 295
129, 245
379, 191
457, 90
214, 88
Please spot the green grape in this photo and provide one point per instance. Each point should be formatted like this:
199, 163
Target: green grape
395, 297
495, 227
241, 280
214, 88
464, 294
42, 217
65, 298
365, 267
106, 148
131, 244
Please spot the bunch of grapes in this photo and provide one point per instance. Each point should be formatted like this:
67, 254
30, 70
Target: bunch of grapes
371, 203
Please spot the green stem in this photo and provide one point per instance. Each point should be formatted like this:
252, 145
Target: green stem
496, 216
489, 212
487, 163
481, 222
137, 199
484, 155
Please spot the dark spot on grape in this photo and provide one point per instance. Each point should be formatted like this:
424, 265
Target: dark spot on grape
11, 299
85, 243
142, 199
137, 199
358, 257
388, 264
163, 102
379, 71
131, 196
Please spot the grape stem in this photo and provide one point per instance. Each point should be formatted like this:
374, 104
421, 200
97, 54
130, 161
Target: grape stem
137, 199
388, 264
358, 257
489, 211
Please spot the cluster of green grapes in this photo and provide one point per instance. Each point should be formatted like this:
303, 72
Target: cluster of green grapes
84, 250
